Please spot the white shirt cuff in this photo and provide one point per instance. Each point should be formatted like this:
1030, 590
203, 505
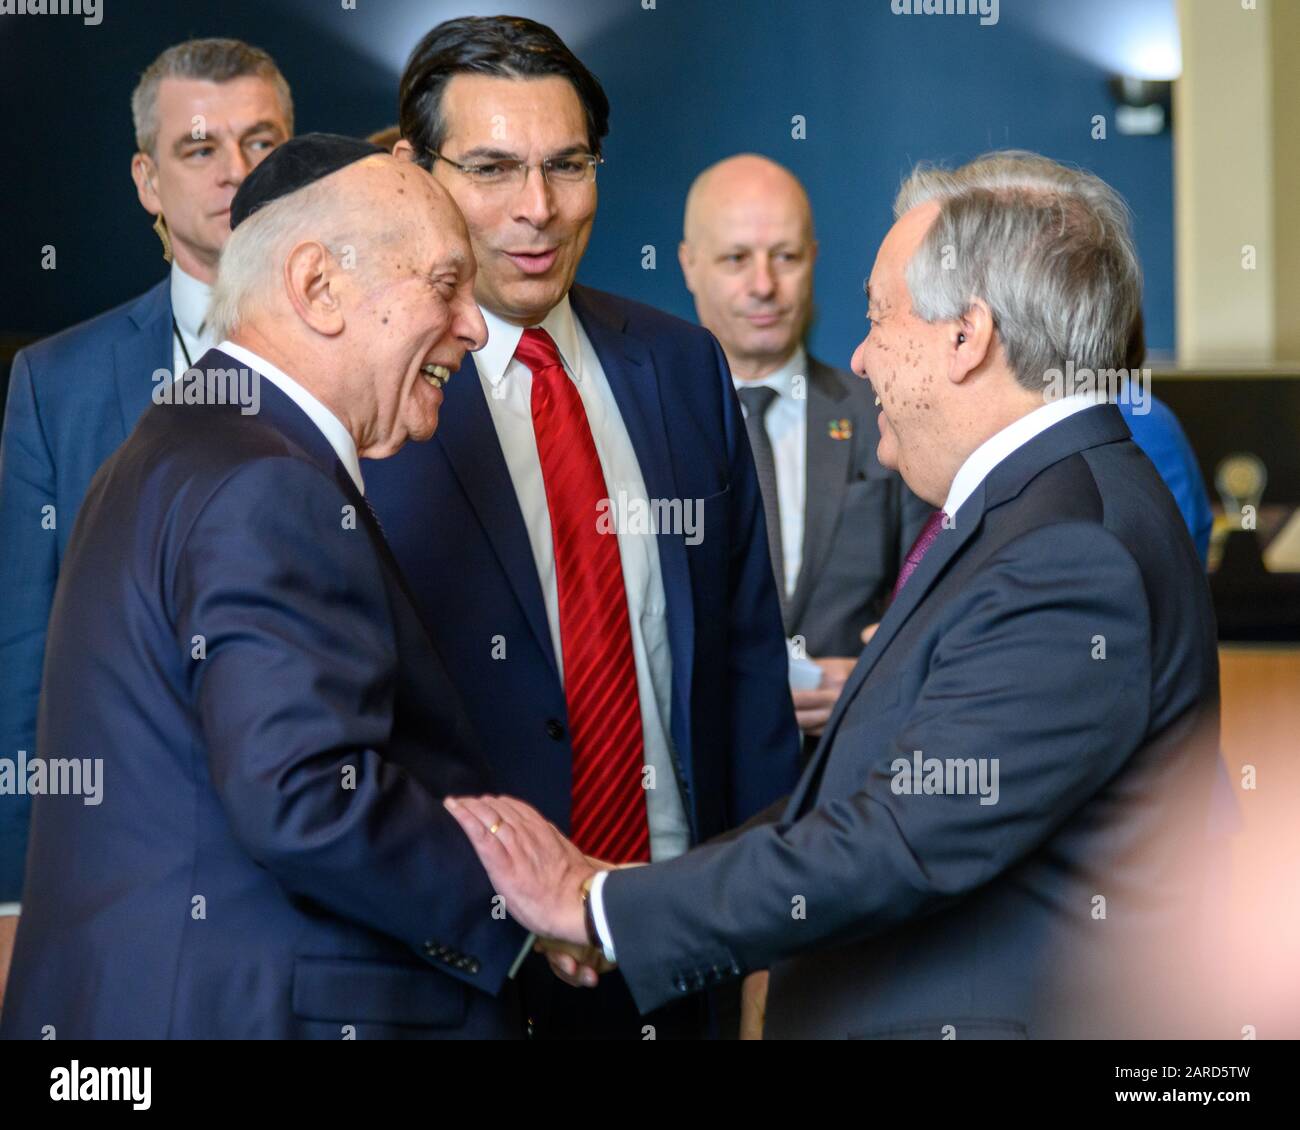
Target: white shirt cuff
523, 953
598, 915
10, 909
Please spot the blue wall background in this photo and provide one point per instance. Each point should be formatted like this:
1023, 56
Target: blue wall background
690, 81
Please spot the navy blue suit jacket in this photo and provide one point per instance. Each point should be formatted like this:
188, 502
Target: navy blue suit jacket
73, 398
1062, 630
454, 522
270, 857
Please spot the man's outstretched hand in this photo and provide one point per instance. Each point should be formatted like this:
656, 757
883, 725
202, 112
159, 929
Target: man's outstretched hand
533, 868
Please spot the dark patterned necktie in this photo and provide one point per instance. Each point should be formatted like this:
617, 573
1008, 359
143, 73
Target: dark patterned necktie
756, 402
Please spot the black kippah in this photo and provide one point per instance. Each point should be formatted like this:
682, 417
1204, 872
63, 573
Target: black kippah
300, 161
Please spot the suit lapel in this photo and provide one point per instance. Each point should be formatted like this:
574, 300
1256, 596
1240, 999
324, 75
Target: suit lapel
826, 469
468, 437
138, 354
635, 383
1089, 428
296, 426
946, 546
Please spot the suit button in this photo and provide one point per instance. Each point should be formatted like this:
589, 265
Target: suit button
679, 983
472, 966
554, 729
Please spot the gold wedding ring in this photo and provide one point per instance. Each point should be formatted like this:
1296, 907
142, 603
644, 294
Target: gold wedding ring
495, 825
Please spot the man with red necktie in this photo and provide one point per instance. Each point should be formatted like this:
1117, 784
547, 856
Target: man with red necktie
629, 681
1003, 831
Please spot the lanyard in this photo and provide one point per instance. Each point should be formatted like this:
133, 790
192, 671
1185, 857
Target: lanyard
185, 352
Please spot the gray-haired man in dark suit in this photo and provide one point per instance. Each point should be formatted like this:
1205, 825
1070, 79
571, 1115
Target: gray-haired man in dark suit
838, 522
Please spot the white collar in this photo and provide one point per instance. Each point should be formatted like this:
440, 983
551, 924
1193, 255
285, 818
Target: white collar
331, 427
189, 302
783, 378
1000, 445
503, 339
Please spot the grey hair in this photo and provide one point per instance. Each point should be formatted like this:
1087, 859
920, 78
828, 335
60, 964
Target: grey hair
1049, 248
210, 60
252, 259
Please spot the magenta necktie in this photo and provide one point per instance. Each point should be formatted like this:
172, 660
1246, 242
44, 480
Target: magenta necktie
924, 540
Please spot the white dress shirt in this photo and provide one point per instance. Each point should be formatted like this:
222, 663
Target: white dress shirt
972, 472
508, 385
190, 309
331, 427
997, 447
786, 423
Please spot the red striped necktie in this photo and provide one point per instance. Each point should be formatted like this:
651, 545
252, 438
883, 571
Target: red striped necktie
608, 818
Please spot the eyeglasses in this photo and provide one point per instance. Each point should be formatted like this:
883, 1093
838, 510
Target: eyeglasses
558, 172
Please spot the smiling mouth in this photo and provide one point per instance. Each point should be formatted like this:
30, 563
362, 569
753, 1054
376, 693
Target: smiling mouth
436, 375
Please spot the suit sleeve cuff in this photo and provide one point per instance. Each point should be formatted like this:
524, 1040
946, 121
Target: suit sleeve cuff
598, 915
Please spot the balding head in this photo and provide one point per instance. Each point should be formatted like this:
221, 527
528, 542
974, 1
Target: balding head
353, 285
738, 182
747, 253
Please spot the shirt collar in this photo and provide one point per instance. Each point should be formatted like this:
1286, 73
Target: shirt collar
331, 427
189, 301
1002, 444
494, 358
783, 378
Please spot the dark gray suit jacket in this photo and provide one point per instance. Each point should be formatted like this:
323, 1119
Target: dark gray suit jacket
1062, 631
859, 518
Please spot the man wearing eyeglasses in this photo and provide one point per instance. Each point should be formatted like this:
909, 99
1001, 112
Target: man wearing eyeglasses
584, 536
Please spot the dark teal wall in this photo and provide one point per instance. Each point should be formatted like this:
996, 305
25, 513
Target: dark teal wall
690, 82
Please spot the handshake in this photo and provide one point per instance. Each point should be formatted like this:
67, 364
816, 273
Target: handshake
543, 878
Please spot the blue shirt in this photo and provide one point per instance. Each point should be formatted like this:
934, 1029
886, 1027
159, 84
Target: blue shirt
1160, 435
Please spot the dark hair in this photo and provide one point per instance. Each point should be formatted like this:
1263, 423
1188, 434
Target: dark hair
509, 46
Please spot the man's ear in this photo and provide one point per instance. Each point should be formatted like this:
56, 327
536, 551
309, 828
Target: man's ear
686, 259
311, 279
145, 174
404, 151
970, 340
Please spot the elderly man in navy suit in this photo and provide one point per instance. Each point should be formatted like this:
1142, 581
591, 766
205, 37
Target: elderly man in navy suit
101, 371
999, 833
232, 640
615, 626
